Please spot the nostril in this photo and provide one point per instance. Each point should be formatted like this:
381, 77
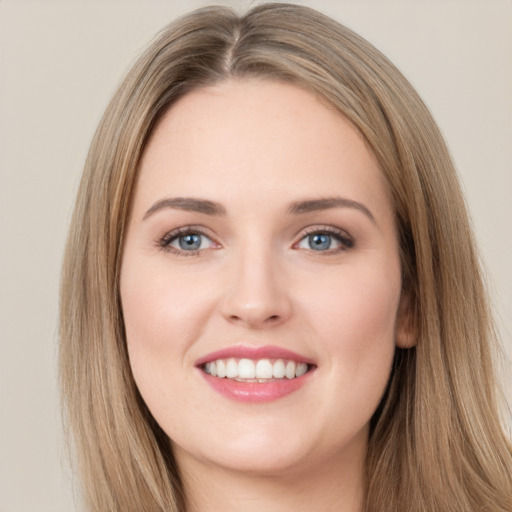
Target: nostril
263, 311
249, 319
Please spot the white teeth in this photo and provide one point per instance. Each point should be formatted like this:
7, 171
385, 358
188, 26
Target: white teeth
302, 368
261, 370
221, 368
264, 369
290, 370
278, 369
246, 369
231, 369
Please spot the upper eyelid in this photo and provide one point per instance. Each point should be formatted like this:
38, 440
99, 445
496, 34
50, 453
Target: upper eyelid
185, 230
343, 236
302, 233
164, 242
323, 228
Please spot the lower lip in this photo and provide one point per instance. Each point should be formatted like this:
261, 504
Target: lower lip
256, 392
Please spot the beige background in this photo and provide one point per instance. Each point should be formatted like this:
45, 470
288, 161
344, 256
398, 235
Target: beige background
60, 62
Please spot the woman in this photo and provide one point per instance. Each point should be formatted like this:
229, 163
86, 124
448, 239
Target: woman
271, 296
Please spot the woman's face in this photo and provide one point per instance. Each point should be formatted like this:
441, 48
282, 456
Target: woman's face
261, 244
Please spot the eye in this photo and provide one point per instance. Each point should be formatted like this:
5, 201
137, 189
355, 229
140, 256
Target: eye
329, 240
319, 241
191, 242
186, 241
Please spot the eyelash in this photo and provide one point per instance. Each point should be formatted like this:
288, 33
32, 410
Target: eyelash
346, 241
164, 243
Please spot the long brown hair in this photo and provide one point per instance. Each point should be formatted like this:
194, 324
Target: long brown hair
436, 442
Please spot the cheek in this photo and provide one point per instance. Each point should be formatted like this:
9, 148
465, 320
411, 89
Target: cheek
159, 306
160, 324
363, 298
355, 319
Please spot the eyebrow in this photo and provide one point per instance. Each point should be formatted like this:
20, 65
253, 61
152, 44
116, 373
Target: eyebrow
188, 204
326, 203
296, 208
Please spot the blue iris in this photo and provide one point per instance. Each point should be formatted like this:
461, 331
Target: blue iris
190, 242
319, 241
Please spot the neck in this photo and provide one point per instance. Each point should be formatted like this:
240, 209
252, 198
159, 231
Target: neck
335, 485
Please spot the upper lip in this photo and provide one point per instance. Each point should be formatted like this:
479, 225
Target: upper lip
247, 352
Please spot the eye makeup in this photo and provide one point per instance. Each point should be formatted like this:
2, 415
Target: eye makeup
321, 240
187, 241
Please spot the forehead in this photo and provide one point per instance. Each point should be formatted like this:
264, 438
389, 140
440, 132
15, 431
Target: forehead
243, 134
239, 109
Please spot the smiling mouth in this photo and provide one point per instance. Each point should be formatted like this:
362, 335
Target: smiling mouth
256, 370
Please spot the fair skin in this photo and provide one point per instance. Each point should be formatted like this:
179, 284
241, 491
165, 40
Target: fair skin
261, 265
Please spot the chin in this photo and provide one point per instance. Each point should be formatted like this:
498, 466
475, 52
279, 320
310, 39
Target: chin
258, 461
279, 451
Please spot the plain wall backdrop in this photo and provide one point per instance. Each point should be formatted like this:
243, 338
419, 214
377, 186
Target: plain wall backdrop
60, 63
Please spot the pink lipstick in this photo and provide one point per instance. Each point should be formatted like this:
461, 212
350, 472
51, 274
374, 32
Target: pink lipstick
249, 374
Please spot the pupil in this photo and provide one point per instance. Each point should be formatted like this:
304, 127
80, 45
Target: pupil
319, 242
190, 242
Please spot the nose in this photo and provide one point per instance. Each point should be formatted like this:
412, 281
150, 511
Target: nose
258, 297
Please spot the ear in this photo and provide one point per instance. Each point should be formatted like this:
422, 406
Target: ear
406, 331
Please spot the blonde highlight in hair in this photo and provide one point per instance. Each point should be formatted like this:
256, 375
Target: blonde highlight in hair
436, 442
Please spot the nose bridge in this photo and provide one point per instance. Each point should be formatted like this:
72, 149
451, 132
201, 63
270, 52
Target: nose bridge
257, 295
